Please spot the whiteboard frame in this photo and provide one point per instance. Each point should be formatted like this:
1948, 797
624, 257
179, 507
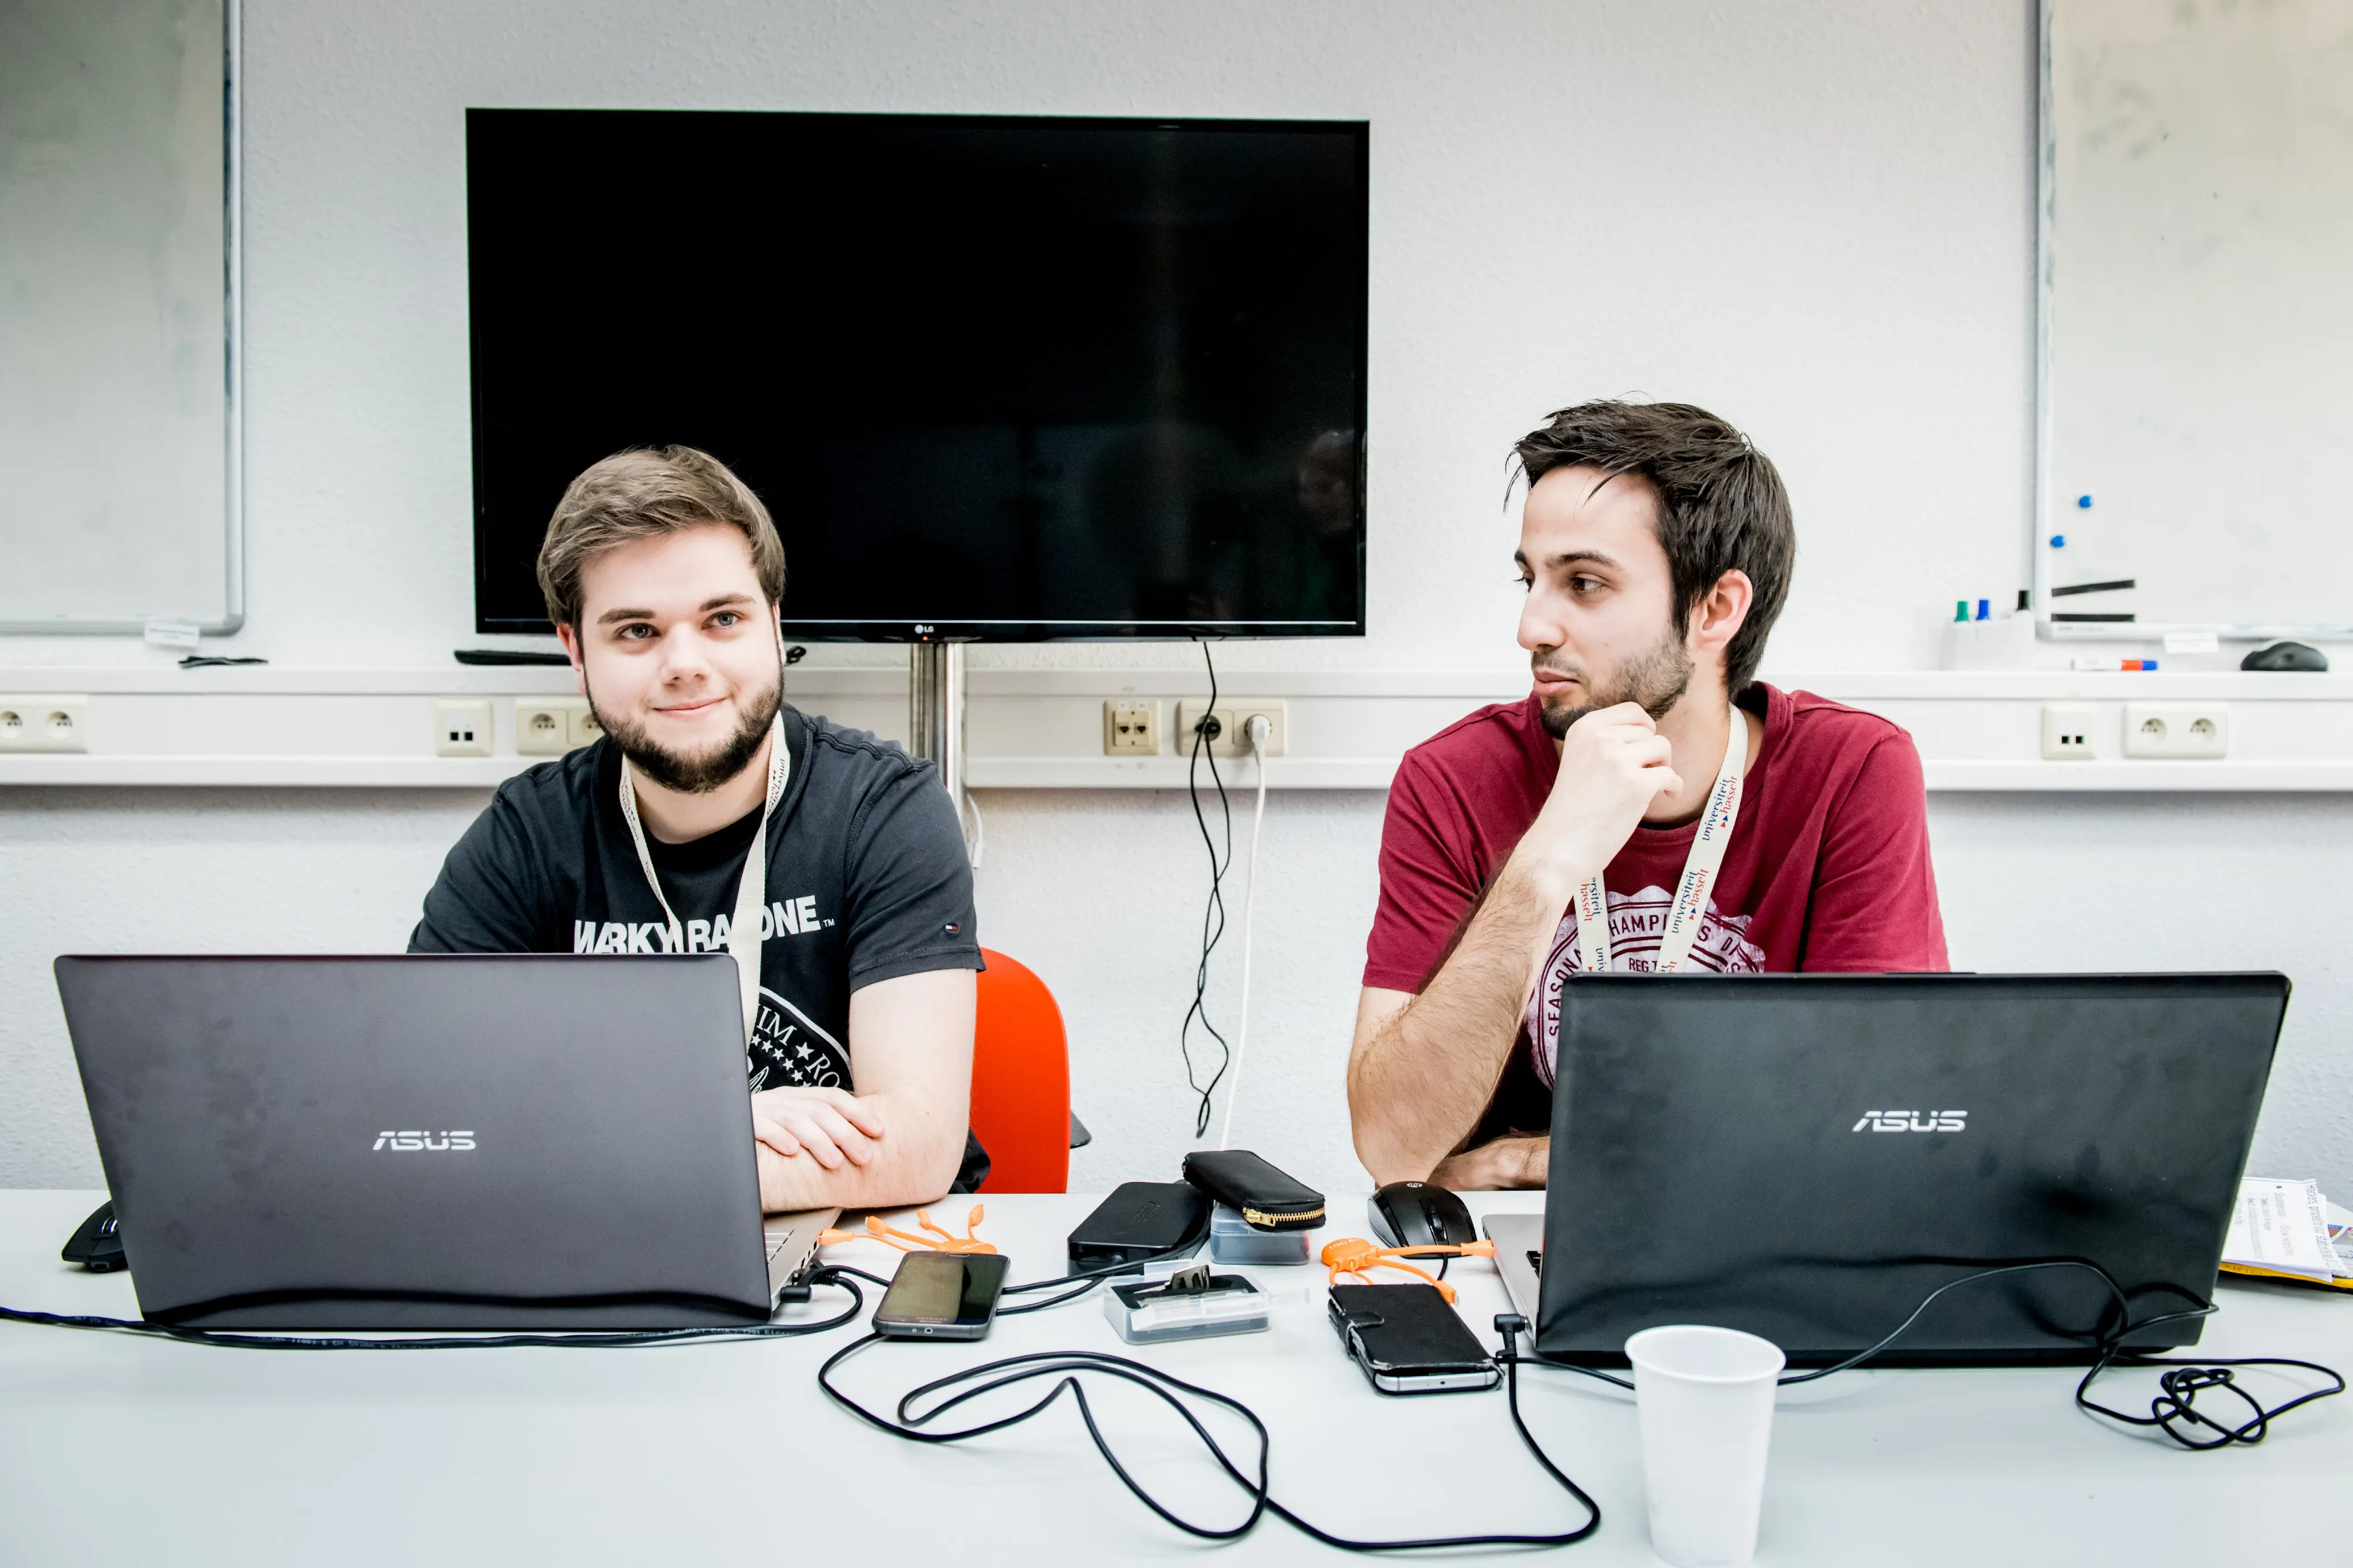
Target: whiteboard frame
2047, 521
233, 365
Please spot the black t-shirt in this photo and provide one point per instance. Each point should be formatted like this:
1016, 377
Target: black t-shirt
867, 881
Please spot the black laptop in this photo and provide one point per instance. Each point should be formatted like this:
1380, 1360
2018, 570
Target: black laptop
1806, 1157
430, 1142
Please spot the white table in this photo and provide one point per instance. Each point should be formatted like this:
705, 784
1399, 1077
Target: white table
115, 1449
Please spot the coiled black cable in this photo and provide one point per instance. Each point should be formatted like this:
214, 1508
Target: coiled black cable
919, 1407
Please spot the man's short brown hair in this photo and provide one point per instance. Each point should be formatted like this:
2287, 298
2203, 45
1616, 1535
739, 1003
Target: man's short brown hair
1721, 504
642, 493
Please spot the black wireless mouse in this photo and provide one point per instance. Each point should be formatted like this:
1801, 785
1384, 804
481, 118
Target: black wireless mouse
97, 1245
1414, 1214
2294, 656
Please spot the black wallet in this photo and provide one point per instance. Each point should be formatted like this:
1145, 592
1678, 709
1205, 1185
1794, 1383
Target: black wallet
1268, 1199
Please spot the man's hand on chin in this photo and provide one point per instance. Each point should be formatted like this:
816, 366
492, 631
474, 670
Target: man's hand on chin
1499, 1166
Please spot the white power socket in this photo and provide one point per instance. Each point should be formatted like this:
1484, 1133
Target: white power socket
1131, 727
2067, 729
462, 727
1233, 716
43, 722
551, 726
2176, 730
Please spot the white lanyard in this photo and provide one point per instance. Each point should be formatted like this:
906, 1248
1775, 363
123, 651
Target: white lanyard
751, 892
1708, 845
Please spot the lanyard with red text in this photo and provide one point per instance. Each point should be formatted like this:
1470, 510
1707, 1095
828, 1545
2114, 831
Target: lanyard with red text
1708, 845
751, 892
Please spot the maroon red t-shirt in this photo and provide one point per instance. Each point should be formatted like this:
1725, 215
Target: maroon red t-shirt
1828, 868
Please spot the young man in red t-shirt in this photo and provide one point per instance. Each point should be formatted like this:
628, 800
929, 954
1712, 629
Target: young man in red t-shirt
1656, 546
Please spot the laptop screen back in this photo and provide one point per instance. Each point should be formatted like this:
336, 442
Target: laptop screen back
1806, 1157
479, 1142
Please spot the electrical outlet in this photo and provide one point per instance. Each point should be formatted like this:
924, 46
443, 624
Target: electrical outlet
1131, 727
543, 726
2178, 730
2067, 731
462, 727
586, 731
1232, 740
50, 723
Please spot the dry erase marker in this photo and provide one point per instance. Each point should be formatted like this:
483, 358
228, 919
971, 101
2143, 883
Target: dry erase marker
2116, 663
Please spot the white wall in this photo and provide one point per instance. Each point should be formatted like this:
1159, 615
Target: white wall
1815, 217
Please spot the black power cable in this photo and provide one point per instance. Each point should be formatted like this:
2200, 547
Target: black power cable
922, 1405
586, 1339
1213, 913
2173, 1408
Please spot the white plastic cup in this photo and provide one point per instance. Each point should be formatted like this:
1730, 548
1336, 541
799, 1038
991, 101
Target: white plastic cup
1704, 1397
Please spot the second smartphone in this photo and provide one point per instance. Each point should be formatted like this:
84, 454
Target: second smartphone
942, 1296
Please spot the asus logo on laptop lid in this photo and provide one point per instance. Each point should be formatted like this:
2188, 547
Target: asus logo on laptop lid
1913, 1122
434, 1142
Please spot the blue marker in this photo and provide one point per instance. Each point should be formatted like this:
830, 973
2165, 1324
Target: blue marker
1985, 609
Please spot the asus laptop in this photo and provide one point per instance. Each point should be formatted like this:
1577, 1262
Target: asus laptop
431, 1143
1806, 1157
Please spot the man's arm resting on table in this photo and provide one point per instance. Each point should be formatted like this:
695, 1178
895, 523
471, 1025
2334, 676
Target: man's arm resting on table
1423, 1068
899, 1140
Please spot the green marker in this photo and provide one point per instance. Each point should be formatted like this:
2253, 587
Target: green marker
1960, 609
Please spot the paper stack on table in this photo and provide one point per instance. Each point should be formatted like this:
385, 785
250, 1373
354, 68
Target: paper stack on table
2283, 1230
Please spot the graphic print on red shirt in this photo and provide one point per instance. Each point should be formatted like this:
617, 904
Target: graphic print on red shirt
1828, 869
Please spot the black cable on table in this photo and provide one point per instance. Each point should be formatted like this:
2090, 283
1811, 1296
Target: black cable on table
913, 1414
586, 1339
2173, 1408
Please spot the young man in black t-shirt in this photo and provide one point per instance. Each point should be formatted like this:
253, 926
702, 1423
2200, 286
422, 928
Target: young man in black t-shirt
663, 575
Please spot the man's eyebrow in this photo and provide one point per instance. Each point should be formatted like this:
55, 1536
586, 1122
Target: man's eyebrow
723, 602
1578, 558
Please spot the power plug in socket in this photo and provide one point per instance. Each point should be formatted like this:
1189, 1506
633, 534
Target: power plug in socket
43, 722
1131, 727
2178, 730
2067, 731
462, 727
1233, 716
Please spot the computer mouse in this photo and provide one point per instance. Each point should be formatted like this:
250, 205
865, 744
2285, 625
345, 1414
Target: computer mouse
2294, 656
98, 1244
1414, 1214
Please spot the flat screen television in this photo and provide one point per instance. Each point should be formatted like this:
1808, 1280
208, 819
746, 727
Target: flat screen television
1001, 379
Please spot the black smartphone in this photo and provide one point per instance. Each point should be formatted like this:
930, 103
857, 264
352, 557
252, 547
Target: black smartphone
1409, 1340
942, 1296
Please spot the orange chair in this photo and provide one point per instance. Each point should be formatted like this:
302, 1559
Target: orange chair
1021, 1081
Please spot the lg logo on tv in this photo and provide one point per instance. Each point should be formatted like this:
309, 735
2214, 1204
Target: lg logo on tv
424, 1143
1913, 1122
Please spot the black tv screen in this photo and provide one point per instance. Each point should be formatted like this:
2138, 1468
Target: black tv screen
1012, 379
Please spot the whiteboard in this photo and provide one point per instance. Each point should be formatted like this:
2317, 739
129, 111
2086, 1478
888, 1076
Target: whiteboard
2197, 317
118, 315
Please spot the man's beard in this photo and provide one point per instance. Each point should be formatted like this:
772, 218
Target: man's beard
698, 775
1656, 678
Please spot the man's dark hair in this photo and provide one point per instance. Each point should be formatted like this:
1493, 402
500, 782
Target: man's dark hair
1720, 501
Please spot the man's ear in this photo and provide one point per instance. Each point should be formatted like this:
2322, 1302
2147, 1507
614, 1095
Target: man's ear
569, 635
1720, 614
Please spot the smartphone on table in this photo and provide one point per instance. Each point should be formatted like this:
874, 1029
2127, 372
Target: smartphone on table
942, 1296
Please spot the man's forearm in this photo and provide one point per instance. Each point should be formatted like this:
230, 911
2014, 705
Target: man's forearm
915, 1161
1417, 1086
